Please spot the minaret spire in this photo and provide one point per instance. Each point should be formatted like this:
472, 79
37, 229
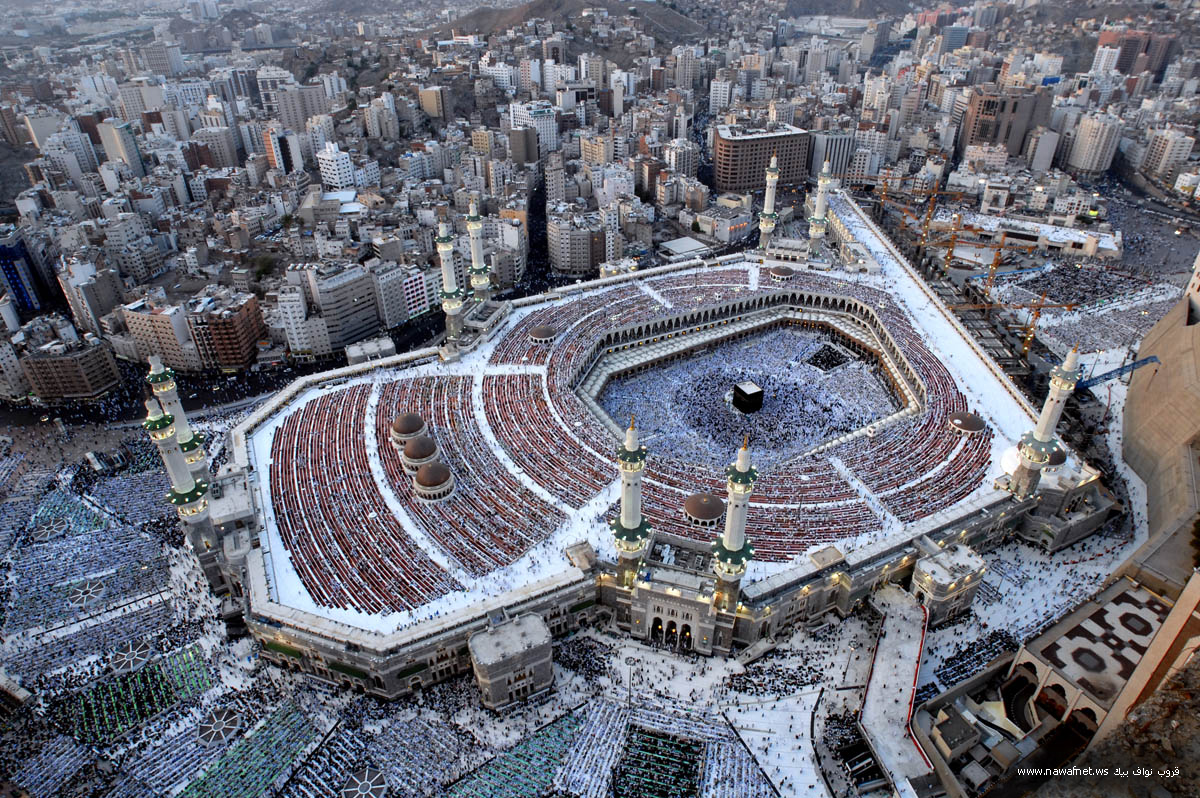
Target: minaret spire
768, 217
481, 277
191, 443
732, 551
453, 297
630, 530
1037, 445
188, 494
816, 223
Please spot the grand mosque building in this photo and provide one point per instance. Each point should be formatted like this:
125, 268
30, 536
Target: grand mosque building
392, 524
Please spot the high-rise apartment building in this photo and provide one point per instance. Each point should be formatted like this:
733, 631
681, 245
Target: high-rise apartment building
577, 242
741, 155
541, 116
221, 143
120, 144
284, 150
1166, 149
336, 166
1139, 51
270, 79
91, 292
297, 104
17, 274
161, 58
996, 115
835, 146
226, 326
683, 156
435, 101
720, 95
1094, 144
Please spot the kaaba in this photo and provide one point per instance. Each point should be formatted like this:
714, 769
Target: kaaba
747, 397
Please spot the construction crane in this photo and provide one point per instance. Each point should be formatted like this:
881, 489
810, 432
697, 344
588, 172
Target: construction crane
1120, 371
1000, 248
1031, 327
933, 194
1003, 245
1011, 305
1009, 272
923, 217
881, 187
901, 207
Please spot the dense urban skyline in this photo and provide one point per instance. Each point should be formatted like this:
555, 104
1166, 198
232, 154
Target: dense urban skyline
701, 398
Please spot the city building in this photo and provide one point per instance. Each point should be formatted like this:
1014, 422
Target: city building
541, 117
511, 660
59, 365
226, 327
576, 241
741, 155
120, 144
1095, 143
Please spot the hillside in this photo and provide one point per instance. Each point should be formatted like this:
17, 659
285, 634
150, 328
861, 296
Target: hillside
661, 22
861, 9
13, 179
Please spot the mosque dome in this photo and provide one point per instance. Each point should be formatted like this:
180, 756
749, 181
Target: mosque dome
432, 475
408, 424
968, 423
543, 333
420, 447
703, 507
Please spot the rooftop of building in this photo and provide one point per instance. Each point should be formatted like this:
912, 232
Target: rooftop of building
509, 639
218, 299
1099, 643
772, 130
951, 564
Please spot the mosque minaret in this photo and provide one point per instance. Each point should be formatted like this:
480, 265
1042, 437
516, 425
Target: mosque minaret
816, 223
481, 276
768, 217
191, 443
453, 297
630, 529
1038, 444
732, 551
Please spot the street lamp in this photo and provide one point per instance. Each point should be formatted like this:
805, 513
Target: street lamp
629, 661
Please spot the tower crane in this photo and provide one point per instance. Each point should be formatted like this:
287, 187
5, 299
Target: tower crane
1031, 326
930, 207
1119, 371
999, 247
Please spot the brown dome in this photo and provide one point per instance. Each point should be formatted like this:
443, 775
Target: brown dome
1057, 457
408, 424
967, 422
543, 332
704, 506
420, 447
782, 272
432, 475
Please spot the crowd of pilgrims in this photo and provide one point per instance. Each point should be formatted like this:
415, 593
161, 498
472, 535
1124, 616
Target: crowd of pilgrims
1093, 287
812, 392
